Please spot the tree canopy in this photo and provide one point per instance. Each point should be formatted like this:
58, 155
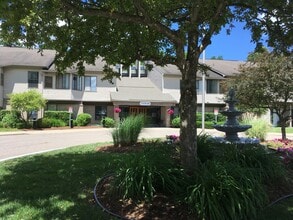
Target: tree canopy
267, 82
27, 102
164, 31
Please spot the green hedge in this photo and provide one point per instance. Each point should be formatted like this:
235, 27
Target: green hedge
209, 120
83, 119
60, 115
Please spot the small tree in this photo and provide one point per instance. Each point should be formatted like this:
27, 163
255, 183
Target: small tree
267, 82
27, 102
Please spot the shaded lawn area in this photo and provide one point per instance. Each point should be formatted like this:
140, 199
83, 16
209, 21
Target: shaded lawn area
59, 185
56, 185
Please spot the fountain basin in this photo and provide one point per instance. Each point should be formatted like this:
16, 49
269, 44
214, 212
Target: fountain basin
241, 140
232, 128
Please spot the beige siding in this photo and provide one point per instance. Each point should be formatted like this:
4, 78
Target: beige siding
90, 109
1, 88
15, 80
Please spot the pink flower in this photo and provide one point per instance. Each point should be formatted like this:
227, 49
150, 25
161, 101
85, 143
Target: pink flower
117, 110
170, 111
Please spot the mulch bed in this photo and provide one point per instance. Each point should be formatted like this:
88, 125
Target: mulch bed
162, 207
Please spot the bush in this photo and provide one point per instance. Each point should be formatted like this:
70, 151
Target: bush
61, 115
210, 117
44, 123
127, 132
12, 120
55, 122
176, 122
207, 124
108, 122
224, 190
3, 113
260, 128
83, 119
147, 172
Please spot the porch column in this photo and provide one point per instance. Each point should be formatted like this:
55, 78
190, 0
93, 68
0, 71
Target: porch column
80, 108
116, 113
165, 116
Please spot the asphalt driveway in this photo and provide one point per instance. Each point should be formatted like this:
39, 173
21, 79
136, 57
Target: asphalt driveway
22, 143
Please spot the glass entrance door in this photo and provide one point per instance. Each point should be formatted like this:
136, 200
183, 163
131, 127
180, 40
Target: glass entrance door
137, 110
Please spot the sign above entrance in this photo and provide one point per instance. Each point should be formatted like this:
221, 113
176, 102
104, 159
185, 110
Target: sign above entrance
145, 103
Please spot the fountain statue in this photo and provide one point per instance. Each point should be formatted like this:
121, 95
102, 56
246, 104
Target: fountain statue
232, 126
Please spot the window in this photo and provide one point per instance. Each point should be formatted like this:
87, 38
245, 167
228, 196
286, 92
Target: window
76, 82
90, 83
212, 86
100, 112
33, 79
49, 82
133, 69
125, 71
199, 87
62, 81
2, 79
143, 71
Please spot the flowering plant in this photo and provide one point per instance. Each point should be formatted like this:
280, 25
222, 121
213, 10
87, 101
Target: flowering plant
284, 149
279, 143
170, 111
172, 138
286, 154
117, 110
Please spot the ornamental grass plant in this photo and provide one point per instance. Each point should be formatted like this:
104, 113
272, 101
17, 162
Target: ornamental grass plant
230, 183
259, 129
127, 132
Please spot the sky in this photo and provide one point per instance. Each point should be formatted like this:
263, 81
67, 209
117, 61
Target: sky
235, 46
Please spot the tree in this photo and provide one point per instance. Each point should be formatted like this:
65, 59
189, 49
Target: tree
122, 31
217, 57
27, 103
267, 82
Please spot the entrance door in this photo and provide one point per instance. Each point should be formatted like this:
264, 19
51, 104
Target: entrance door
137, 110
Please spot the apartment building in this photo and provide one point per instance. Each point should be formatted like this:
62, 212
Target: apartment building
137, 91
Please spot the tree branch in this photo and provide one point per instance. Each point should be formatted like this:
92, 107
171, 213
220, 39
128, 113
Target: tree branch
144, 19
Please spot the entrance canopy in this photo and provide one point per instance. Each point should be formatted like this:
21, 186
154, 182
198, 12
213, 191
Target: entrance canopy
140, 91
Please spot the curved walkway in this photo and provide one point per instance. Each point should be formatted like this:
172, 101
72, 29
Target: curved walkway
28, 142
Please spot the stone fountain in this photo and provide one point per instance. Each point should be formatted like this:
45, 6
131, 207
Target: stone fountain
232, 126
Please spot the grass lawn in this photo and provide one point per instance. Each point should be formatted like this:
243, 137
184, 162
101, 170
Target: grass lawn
8, 129
56, 185
289, 130
59, 185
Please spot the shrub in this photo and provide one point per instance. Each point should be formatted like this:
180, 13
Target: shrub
61, 115
207, 124
108, 122
224, 190
176, 122
147, 172
260, 128
43, 123
128, 130
83, 119
56, 122
3, 113
12, 120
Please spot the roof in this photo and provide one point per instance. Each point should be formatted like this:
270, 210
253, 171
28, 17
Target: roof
219, 68
98, 67
14, 56
139, 89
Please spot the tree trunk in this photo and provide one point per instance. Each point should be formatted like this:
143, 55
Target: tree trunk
188, 105
283, 129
